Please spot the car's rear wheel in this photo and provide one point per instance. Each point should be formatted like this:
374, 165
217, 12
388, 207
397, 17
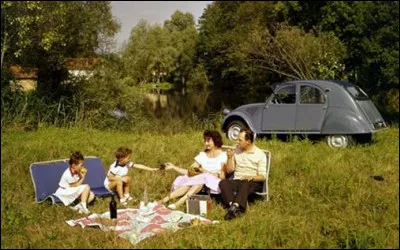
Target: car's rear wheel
233, 130
339, 141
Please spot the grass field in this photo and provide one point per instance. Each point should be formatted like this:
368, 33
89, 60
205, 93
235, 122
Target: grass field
319, 197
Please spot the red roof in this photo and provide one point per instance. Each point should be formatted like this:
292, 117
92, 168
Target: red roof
71, 64
23, 72
81, 63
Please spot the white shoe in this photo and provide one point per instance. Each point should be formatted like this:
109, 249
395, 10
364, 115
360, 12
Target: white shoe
83, 211
76, 207
128, 198
123, 201
172, 206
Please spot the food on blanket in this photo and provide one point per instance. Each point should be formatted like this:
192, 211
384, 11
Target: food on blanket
83, 170
184, 224
195, 221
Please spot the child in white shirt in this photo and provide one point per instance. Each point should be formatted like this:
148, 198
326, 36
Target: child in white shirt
70, 186
117, 179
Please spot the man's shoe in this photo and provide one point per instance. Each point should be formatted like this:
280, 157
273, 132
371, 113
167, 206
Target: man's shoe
232, 213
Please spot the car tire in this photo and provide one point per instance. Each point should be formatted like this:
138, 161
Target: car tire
339, 141
233, 130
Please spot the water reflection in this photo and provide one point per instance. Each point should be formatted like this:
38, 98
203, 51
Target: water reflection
181, 104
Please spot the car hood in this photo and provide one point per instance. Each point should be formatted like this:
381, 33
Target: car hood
249, 109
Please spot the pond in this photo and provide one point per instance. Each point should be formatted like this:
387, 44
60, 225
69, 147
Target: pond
181, 104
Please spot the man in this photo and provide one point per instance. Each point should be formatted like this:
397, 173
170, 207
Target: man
249, 164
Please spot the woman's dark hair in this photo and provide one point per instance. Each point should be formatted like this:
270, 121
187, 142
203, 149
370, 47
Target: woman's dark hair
123, 152
215, 136
76, 157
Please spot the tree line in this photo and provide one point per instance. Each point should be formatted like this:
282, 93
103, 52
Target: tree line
237, 46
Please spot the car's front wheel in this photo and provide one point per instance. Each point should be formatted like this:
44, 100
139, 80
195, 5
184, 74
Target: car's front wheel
233, 130
339, 141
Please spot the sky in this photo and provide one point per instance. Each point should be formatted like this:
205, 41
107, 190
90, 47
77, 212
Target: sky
128, 13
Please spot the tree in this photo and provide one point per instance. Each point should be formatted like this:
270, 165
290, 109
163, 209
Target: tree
294, 53
44, 34
183, 33
149, 53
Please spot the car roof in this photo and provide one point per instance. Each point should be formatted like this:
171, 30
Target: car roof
322, 83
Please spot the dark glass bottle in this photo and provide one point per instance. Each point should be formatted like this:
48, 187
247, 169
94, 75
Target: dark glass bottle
113, 208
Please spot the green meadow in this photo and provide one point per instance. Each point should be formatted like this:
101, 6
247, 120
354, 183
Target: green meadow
319, 197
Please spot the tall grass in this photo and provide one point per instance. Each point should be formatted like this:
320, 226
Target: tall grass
319, 197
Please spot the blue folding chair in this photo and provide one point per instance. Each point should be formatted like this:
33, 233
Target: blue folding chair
46, 176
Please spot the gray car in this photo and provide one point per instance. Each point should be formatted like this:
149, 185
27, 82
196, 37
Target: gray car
339, 110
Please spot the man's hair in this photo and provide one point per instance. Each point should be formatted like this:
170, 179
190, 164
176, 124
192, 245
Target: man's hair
249, 135
215, 136
76, 157
123, 152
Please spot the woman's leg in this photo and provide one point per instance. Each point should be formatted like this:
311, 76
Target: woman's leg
192, 190
176, 193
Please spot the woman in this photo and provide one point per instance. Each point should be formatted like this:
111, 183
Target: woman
210, 166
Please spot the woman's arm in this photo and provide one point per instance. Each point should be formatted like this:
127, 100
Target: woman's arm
169, 165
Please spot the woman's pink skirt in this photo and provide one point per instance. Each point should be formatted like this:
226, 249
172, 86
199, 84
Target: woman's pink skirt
207, 179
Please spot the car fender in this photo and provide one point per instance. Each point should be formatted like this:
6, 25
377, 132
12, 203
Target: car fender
342, 121
237, 116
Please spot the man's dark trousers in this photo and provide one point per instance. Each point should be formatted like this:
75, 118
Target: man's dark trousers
238, 191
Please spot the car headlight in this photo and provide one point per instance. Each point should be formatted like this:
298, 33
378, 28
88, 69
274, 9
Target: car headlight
226, 111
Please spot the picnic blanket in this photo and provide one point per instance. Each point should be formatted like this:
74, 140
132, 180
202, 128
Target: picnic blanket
136, 225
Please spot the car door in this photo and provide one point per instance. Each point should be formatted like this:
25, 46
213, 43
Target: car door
311, 108
279, 113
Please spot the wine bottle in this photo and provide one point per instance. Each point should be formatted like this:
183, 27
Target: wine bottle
113, 208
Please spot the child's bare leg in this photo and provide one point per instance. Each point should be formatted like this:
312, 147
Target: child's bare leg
126, 185
117, 186
91, 197
84, 195
193, 190
176, 193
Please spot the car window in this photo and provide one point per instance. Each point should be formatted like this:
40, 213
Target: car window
311, 95
286, 95
357, 93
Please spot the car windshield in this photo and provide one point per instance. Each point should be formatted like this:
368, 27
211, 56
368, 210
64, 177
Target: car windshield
357, 93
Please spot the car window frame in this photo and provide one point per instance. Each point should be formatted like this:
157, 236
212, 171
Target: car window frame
272, 98
314, 87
